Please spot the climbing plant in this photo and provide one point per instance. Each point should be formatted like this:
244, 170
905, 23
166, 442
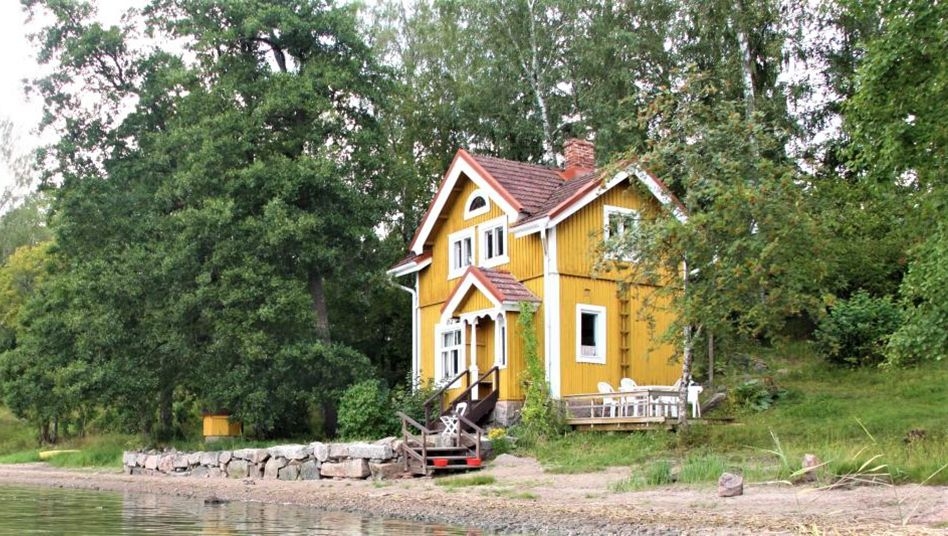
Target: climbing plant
541, 416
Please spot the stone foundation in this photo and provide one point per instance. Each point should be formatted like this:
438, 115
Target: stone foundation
507, 412
380, 460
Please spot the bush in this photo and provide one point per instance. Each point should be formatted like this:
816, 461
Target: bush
364, 411
757, 395
411, 402
856, 331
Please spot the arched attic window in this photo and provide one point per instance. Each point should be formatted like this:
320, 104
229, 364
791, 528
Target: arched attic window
476, 205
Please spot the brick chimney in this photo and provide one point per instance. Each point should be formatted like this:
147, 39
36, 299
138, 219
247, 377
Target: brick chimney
580, 157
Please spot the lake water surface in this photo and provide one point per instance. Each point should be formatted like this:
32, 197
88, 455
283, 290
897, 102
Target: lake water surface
36, 510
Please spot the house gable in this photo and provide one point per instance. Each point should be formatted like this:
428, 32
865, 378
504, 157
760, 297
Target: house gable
464, 166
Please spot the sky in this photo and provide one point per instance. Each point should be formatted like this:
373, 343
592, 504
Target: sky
17, 63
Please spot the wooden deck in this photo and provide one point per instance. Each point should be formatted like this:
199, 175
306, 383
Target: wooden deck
650, 407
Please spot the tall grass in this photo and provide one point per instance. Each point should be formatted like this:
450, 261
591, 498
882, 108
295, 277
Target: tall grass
859, 422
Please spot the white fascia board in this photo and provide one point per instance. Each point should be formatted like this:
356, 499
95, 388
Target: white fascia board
460, 166
463, 288
533, 227
589, 198
409, 268
660, 193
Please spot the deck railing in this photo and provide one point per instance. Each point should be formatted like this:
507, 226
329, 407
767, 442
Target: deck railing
647, 404
409, 438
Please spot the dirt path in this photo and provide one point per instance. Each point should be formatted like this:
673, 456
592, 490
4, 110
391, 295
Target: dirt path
525, 499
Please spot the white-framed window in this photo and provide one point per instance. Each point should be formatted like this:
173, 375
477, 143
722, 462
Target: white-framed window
460, 252
493, 244
500, 342
476, 205
590, 333
618, 221
450, 346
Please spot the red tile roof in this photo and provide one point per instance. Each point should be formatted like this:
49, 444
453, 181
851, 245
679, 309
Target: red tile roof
529, 184
504, 285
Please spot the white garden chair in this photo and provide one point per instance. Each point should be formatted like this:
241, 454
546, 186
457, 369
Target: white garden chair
608, 401
452, 422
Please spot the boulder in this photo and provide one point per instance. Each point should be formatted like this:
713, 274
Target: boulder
215, 472
200, 471
730, 485
273, 466
386, 471
224, 457
338, 451
237, 469
194, 458
291, 452
258, 455
151, 462
810, 467
290, 472
309, 470
129, 459
166, 463
181, 462
243, 454
345, 469
209, 459
370, 452
320, 451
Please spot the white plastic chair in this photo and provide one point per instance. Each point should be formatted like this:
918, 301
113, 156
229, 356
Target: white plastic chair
630, 402
451, 422
693, 391
610, 401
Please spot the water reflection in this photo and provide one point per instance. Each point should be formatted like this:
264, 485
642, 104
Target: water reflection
28, 510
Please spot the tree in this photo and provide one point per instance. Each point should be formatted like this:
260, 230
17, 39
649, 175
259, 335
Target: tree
749, 249
899, 145
202, 227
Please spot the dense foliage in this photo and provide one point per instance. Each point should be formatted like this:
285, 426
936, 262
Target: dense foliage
229, 181
856, 330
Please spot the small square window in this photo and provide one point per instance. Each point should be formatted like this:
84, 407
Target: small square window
590, 334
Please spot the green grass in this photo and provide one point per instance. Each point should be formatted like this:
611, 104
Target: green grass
854, 420
465, 481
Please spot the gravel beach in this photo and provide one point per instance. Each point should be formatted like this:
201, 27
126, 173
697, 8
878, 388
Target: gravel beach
526, 500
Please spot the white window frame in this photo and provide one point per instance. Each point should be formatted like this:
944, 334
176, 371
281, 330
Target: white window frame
599, 354
457, 267
483, 231
628, 213
500, 342
442, 374
468, 213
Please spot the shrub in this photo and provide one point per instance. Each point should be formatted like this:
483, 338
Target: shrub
757, 395
411, 401
364, 411
856, 331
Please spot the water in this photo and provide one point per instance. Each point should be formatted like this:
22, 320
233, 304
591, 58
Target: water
32, 510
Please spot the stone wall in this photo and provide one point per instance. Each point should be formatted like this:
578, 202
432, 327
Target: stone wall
379, 460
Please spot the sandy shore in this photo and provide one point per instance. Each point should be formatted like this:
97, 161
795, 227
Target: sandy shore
526, 500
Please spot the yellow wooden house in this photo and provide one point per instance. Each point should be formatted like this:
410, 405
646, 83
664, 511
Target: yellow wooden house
498, 233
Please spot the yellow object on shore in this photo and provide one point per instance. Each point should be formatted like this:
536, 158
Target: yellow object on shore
47, 454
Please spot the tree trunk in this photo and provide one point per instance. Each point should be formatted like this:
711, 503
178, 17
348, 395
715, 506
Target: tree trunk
165, 414
320, 312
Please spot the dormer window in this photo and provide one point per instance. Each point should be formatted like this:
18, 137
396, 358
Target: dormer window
476, 205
